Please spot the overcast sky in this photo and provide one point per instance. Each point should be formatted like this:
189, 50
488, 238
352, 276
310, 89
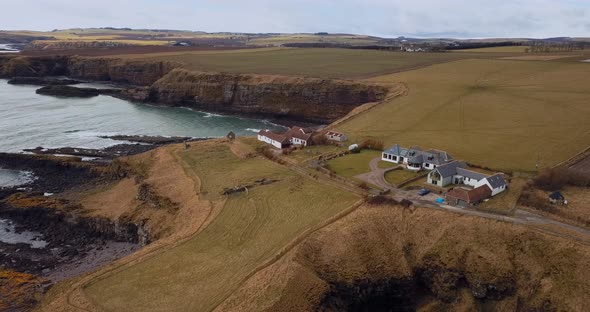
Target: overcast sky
387, 18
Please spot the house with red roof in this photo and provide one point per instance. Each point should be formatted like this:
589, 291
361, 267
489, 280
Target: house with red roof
294, 136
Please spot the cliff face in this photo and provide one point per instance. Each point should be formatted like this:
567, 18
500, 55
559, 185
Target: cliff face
311, 99
18, 66
90, 68
386, 259
117, 70
308, 99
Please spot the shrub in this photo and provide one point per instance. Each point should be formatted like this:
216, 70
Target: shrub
556, 178
406, 203
378, 200
319, 139
532, 199
269, 153
289, 150
372, 144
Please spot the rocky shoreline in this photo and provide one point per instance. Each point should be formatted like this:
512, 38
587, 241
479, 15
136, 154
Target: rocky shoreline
304, 99
61, 240
69, 91
140, 144
43, 81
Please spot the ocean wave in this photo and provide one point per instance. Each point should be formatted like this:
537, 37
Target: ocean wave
252, 130
209, 115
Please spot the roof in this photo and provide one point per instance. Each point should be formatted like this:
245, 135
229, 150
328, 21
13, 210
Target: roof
479, 193
394, 150
496, 181
471, 174
431, 156
437, 157
334, 133
274, 136
299, 133
471, 196
417, 159
301, 130
450, 169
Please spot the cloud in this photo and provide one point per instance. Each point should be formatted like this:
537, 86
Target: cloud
389, 18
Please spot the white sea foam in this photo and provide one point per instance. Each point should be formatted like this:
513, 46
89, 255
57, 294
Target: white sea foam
10, 236
11, 178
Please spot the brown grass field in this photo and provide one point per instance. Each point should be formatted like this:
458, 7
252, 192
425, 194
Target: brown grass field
328, 63
250, 229
501, 114
506, 49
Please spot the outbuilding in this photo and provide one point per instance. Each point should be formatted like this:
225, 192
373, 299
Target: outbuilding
336, 136
465, 197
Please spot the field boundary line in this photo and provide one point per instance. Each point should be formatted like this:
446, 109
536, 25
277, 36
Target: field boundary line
99, 275
575, 159
294, 243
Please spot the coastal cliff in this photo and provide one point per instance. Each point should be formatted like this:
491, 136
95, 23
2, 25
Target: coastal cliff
160, 82
90, 68
310, 99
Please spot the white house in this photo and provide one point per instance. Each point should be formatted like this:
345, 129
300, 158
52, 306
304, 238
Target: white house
414, 158
299, 136
456, 172
295, 136
274, 139
495, 182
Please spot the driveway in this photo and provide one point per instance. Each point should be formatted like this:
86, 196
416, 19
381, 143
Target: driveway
540, 223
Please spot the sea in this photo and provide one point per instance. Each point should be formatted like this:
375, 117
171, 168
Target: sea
29, 120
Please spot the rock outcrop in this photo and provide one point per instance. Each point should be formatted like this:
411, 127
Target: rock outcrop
88, 68
118, 70
160, 82
22, 66
67, 91
42, 81
309, 99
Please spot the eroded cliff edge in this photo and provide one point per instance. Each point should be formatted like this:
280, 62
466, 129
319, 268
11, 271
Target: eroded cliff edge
389, 259
166, 83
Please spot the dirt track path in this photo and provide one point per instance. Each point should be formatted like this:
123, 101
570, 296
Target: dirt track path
75, 299
78, 301
377, 175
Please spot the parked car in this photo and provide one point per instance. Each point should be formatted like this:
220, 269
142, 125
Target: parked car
423, 192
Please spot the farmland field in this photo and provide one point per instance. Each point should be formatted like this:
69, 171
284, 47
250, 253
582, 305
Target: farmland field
251, 228
507, 115
506, 49
330, 63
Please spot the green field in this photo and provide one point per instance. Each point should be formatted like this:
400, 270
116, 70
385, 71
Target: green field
395, 177
502, 114
354, 164
251, 228
332, 63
